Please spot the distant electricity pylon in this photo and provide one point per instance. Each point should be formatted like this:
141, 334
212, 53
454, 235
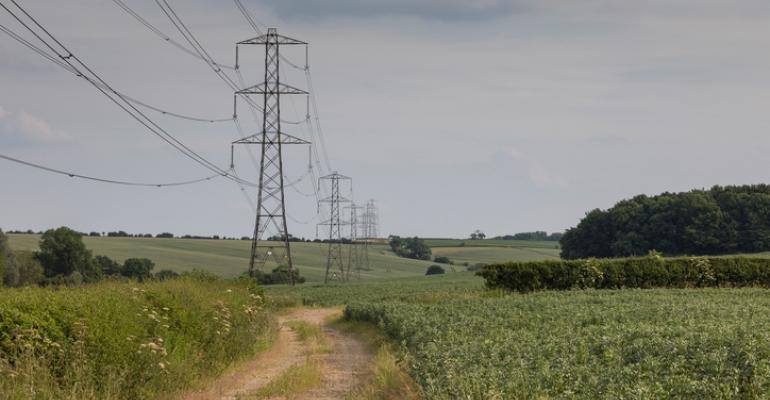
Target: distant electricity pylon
357, 244
271, 206
334, 259
372, 218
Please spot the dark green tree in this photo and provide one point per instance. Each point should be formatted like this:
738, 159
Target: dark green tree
137, 268
107, 265
722, 220
63, 253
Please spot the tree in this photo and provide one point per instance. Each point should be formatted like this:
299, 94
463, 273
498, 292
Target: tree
24, 270
414, 247
721, 220
107, 265
166, 235
435, 270
137, 268
62, 254
478, 235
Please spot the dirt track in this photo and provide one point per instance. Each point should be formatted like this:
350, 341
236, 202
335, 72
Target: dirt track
342, 367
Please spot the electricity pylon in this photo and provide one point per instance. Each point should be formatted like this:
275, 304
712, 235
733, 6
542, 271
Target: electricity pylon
356, 249
372, 220
271, 205
334, 259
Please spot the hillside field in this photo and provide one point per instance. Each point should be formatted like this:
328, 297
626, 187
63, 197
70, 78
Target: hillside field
229, 258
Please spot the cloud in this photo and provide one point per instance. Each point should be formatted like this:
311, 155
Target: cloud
23, 129
451, 10
483, 10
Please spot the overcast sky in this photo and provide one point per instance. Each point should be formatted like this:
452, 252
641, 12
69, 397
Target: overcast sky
456, 115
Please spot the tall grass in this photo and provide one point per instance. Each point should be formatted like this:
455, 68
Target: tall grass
125, 340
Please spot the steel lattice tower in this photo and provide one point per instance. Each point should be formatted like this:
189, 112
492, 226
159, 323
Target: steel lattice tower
271, 205
334, 259
372, 220
356, 249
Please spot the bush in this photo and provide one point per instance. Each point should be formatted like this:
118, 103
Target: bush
279, 275
637, 272
435, 270
164, 274
442, 260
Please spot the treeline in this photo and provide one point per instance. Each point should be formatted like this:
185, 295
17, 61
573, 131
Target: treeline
536, 235
64, 259
721, 220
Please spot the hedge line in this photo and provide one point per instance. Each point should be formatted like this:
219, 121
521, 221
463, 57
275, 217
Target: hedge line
637, 272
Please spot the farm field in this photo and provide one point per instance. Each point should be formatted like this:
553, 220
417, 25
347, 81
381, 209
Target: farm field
229, 258
691, 343
495, 254
434, 242
467, 342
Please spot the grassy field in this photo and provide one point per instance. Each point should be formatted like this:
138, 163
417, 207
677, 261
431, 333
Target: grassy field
540, 244
229, 258
494, 254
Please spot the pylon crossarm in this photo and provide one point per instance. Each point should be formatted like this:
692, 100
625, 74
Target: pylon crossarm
272, 39
262, 88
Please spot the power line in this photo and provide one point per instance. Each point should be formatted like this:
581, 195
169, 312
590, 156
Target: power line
162, 35
105, 180
107, 90
66, 67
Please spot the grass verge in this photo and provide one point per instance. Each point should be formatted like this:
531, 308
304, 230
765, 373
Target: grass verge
294, 380
125, 340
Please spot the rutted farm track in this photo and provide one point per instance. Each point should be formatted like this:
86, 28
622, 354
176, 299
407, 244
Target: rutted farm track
342, 366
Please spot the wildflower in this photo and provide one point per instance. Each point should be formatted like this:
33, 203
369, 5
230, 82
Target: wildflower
166, 309
161, 365
229, 290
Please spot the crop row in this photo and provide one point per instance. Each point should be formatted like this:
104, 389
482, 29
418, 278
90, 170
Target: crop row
660, 343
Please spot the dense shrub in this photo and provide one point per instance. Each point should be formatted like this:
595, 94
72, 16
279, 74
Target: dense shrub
278, 276
114, 340
435, 270
638, 272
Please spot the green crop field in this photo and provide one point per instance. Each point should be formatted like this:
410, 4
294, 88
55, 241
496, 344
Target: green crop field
229, 258
462, 341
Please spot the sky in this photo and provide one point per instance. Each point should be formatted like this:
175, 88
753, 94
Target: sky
455, 115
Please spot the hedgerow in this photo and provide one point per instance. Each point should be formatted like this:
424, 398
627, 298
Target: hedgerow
637, 272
